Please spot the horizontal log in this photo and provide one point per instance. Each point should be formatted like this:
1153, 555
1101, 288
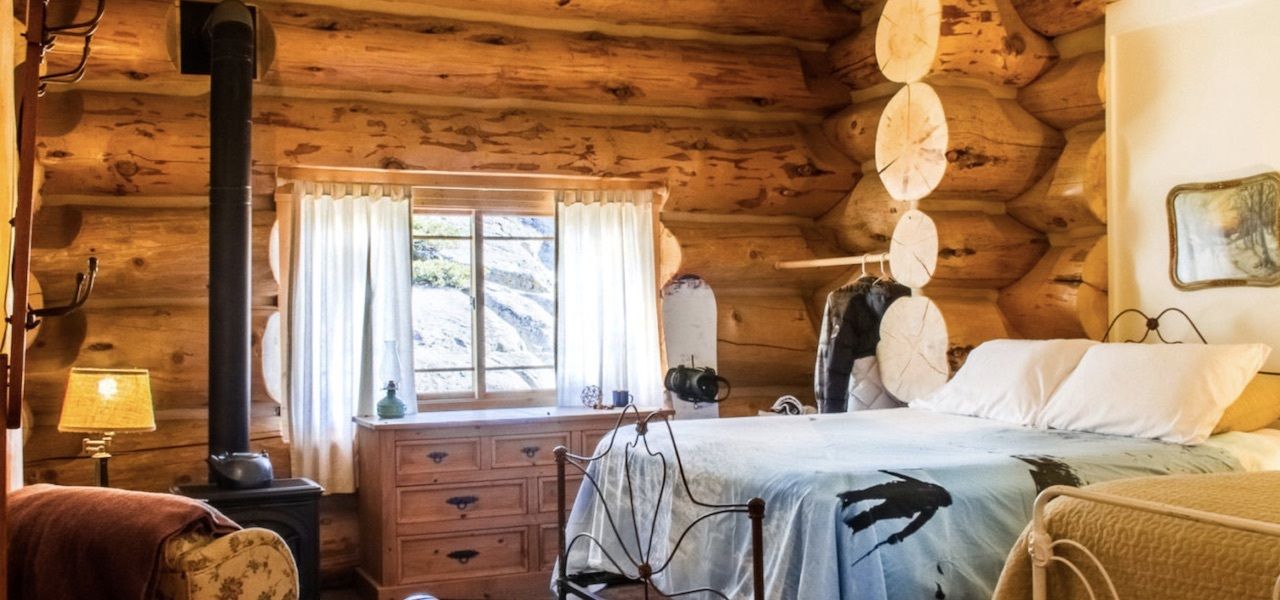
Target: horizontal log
742, 255
154, 470
765, 340
129, 144
174, 428
326, 48
980, 39
967, 249
1069, 94
970, 321
853, 60
863, 222
798, 19
960, 141
1056, 17
1074, 193
853, 130
142, 253
170, 342
339, 539
1055, 300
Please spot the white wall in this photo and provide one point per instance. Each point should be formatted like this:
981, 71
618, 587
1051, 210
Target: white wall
1193, 96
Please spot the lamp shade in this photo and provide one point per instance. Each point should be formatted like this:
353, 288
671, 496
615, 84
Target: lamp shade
117, 400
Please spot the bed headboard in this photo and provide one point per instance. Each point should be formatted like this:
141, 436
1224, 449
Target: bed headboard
1153, 325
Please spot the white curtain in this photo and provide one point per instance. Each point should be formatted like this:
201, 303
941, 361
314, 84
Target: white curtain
349, 296
607, 296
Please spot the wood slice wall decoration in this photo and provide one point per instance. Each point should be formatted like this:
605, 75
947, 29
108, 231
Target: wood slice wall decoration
981, 39
960, 141
992, 143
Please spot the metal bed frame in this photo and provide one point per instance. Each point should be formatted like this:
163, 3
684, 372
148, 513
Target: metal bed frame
642, 567
1042, 545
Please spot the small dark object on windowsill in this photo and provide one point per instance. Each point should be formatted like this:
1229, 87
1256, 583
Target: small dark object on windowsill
592, 397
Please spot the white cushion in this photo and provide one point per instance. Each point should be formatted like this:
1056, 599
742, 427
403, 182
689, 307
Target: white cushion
1007, 380
1171, 392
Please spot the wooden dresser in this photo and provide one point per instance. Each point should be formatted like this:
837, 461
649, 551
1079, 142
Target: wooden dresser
462, 504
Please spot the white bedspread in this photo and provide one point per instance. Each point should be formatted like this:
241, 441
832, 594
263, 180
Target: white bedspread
876, 504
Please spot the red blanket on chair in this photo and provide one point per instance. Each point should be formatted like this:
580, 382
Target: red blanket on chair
77, 543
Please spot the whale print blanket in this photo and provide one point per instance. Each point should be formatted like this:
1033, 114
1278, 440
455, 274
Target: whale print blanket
898, 503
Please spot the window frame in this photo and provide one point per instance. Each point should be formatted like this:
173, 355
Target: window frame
477, 205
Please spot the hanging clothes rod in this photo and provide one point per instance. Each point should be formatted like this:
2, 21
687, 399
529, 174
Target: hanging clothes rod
839, 261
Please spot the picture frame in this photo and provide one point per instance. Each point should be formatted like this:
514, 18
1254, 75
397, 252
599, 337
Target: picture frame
1225, 233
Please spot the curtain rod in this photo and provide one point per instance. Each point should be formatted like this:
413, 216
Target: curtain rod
462, 180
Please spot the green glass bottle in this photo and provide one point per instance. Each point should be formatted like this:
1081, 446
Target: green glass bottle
390, 407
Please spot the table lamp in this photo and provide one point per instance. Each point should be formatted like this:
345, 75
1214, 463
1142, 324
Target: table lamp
106, 402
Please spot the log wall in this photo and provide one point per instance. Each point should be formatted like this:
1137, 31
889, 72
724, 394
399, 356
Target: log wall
723, 107
1000, 156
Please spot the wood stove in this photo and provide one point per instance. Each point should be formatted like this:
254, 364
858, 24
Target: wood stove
289, 507
244, 488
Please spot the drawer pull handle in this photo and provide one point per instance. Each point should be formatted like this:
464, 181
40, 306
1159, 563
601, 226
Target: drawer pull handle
463, 556
530, 451
438, 457
462, 502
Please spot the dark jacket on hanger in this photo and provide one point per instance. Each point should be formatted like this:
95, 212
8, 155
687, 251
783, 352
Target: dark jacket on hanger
850, 331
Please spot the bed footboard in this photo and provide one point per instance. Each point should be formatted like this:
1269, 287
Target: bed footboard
642, 566
1043, 547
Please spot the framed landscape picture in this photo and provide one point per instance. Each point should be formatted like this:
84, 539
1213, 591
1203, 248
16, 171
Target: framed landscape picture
1225, 233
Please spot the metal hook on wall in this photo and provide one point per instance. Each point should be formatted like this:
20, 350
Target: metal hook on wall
84, 29
84, 287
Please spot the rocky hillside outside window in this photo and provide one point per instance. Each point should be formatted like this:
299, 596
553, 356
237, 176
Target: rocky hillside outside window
484, 305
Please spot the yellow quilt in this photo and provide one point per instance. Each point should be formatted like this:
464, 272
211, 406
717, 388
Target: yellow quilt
1158, 557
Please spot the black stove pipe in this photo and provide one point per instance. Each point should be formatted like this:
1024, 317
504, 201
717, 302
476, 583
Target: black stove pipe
231, 37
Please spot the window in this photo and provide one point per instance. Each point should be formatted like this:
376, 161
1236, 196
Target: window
503, 261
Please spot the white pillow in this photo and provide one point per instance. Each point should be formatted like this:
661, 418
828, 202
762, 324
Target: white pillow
1007, 380
1171, 392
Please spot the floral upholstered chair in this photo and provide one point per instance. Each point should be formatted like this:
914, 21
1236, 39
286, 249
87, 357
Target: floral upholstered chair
250, 564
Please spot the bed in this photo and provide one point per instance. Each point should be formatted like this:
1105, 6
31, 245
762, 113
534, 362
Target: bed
899, 503
1167, 538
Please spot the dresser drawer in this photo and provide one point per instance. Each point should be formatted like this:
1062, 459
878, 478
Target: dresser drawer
437, 456
451, 502
527, 450
549, 542
547, 491
472, 554
590, 439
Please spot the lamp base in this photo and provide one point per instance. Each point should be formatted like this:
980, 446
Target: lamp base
98, 450
100, 469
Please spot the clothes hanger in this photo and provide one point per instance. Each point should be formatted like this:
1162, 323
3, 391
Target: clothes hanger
885, 275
